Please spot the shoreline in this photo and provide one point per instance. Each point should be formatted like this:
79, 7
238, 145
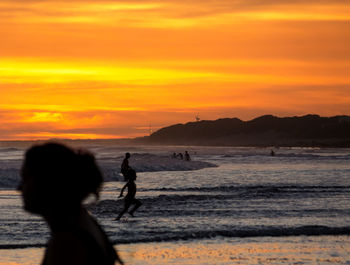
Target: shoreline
268, 250
300, 143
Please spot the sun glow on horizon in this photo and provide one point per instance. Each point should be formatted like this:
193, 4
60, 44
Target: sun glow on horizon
108, 69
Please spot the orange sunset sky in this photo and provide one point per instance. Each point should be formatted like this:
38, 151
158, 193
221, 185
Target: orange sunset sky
109, 69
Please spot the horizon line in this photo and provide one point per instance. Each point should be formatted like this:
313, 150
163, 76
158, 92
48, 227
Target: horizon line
143, 136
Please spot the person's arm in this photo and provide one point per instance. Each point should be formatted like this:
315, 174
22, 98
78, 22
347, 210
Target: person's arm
121, 192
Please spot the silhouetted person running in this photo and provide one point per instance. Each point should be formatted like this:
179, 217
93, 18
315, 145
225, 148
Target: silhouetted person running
54, 181
130, 196
125, 166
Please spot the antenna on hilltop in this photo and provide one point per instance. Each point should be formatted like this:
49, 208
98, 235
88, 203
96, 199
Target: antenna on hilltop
150, 129
197, 118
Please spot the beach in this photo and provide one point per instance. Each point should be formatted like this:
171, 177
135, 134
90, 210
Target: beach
267, 250
226, 206
235, 114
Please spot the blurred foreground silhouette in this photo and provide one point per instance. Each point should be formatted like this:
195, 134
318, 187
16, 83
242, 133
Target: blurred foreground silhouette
55, 180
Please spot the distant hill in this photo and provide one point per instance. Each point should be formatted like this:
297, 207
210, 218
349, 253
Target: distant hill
268, 130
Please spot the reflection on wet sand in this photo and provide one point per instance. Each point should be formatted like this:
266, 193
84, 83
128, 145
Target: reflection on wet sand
306, 250
286, 250
26, 256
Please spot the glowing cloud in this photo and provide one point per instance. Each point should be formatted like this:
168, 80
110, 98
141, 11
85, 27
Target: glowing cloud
106, 69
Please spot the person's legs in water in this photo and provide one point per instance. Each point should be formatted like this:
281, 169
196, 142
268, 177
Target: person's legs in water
126, 207
137, 205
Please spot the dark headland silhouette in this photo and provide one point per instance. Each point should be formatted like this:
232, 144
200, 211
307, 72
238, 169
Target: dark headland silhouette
268, 130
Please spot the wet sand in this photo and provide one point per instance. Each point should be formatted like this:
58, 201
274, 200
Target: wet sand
263, 250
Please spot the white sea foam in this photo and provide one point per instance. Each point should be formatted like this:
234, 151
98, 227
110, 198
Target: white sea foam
110, 166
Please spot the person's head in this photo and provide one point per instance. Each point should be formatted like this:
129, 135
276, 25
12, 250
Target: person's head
127, 155
54, 176
131, 174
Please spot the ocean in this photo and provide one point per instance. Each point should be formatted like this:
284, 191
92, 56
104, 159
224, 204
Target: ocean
220, 201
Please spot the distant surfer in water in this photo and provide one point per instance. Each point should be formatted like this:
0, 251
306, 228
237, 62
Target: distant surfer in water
125, 166
187, 156
130, 196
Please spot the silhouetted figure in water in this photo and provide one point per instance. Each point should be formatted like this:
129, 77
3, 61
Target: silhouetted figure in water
272, 153
187, 156
180, 156
174, 155
130, 196
125, 166
54, 181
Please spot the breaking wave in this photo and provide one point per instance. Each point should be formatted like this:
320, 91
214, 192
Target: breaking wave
110, 167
